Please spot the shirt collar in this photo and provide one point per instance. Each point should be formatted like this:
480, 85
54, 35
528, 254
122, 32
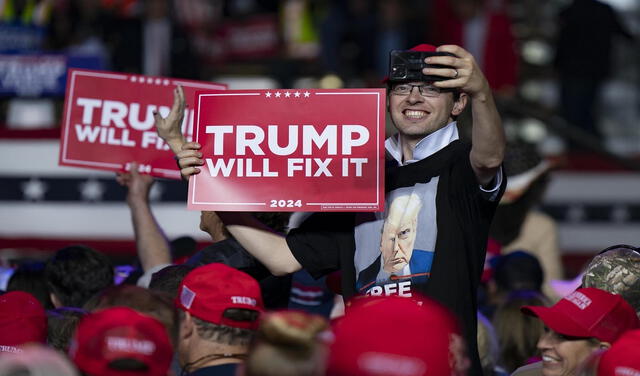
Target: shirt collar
425, 147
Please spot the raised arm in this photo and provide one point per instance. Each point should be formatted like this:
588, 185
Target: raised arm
169, 128
269, 248
151, 243
487, 137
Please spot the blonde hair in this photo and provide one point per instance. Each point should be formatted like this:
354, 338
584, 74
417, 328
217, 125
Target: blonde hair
288, 344
517, 333
487, 344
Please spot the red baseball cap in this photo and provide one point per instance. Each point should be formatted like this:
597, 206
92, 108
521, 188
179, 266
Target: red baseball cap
588, 312
121, 333
209, 290
623, 358
22, 320
395, 336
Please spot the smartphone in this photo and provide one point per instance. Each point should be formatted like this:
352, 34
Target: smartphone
406, 65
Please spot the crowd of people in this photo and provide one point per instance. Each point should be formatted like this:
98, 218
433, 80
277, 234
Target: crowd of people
213, 320
416, 293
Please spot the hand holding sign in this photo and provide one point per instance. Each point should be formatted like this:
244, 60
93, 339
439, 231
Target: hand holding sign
169, 128
189, 158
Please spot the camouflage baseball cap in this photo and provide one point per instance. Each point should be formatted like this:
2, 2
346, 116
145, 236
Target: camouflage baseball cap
616, 270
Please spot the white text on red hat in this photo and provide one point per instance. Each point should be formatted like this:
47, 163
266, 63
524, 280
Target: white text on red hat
376, 363
244, 300
130, 345
579, 299
10, 349
626, 371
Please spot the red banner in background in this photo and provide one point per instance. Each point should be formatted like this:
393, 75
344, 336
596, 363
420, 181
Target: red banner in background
290, 150
108, 120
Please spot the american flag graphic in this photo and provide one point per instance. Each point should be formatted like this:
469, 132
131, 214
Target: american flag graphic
41, 201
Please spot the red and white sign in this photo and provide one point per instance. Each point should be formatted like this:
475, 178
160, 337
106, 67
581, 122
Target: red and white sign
290, 150
108, 120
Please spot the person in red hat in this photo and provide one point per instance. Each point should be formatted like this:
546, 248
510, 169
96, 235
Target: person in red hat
121, 342
622, 359
219, 311
458, 183
357, 350
22, 321
581, 323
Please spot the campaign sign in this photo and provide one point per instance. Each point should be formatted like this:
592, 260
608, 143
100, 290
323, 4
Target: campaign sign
108, 120
290, 150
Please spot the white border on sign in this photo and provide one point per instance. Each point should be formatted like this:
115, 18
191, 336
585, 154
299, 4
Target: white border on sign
332, 204
68, 125
169, 173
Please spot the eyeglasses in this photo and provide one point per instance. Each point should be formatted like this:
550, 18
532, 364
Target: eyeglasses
425, 90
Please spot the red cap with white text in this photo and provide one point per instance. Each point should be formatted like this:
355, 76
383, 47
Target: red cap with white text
395, 336
588, 312
209, 290
22, 320
105, 337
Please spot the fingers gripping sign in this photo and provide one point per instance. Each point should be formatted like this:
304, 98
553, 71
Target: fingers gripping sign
189, 158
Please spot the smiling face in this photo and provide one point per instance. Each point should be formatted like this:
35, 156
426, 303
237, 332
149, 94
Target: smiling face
416, 116
399, 233
561, 356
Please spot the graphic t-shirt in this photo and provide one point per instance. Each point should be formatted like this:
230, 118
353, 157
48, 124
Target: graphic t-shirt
430, 240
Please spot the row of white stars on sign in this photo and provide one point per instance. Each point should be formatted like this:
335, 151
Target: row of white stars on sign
150, 80
90, 190
287, 94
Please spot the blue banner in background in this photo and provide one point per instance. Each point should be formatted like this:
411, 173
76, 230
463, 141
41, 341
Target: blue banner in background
40, 75
16, 38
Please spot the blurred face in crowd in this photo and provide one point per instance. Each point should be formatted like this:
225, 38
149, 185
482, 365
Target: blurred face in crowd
562, 355
399, 233
417, 115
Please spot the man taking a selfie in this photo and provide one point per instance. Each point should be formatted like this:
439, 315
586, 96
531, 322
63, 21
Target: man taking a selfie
458, 185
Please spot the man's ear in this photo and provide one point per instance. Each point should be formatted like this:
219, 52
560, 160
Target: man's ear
459, 105
187, 327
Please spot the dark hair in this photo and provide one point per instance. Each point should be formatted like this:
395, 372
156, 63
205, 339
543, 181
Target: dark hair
29, 277
277, 221
168, 279
128, 364
224, 334
184, 246
519, 270
62, 323
76, 273
156, 304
